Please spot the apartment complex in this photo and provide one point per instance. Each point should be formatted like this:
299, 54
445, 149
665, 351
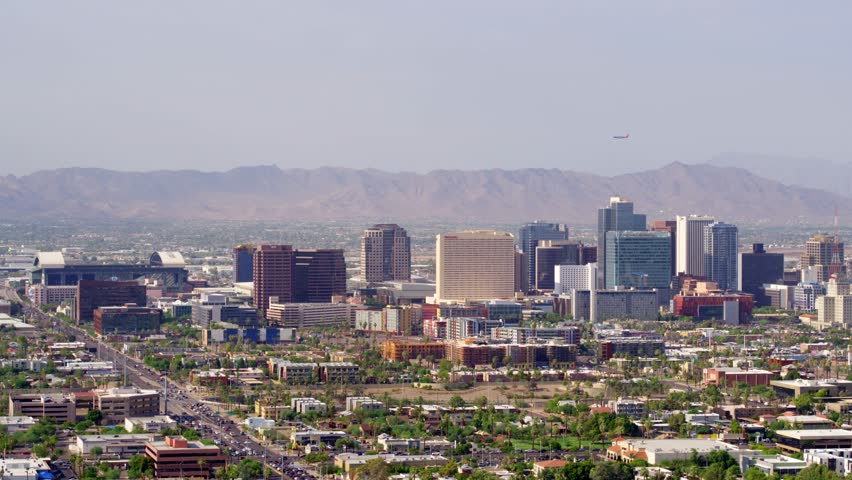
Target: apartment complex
401, 351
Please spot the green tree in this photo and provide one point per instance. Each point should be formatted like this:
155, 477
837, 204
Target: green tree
456, 402
375, 469
755, 474
95, 416
96, 452
611, 471
140, 466
816, 472
249, 469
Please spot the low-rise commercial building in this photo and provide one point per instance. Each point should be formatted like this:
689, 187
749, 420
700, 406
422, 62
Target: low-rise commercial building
127, 320
363, 403
234, 334
117, 403
152, 424
349, 462
176, 457
124, 445
730, 377
838, 460
57, 407
17, 423
657, 451
806, 422
796, 441
777, 465
25, 468
799, 386
314, 437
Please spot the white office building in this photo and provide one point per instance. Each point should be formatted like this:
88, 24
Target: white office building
570, 277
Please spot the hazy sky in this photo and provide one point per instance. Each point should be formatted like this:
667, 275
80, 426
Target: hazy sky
405, 85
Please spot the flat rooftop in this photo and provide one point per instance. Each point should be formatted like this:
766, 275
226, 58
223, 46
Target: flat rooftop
831, 433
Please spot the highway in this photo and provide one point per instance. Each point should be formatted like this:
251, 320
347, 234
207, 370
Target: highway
180, 402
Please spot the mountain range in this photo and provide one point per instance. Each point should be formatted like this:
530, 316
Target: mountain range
820, 173
273, 194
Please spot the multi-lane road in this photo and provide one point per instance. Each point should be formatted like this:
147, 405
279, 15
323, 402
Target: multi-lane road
180, 402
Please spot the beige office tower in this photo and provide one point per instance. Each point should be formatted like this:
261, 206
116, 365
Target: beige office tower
385, 254
475, 265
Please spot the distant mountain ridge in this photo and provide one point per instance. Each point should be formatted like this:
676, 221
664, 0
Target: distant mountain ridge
817, 173
327, 193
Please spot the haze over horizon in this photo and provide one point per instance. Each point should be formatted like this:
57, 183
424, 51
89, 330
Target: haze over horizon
214, 85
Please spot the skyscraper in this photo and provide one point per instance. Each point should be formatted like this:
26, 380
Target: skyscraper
549, 254
385, 254
757, 268
671, 227
819, 251
638, 259
720, 254
243, 263
521, 278
617, 217
273, 269
528, 237
690, 244
318, 275
475, 265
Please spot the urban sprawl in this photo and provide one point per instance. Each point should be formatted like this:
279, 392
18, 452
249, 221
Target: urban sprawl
662, 349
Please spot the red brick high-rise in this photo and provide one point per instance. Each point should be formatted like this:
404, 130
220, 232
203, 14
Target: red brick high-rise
273, 272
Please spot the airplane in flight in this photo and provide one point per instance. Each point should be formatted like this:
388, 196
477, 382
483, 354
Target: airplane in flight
621, 137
